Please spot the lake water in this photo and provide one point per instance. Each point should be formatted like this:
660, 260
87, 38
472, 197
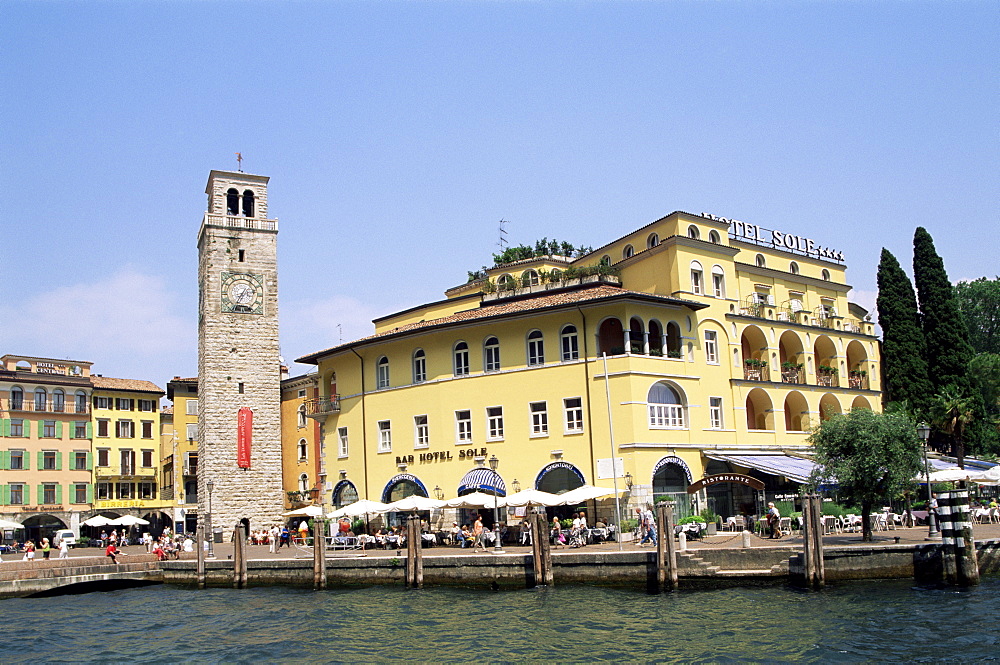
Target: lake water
849, 622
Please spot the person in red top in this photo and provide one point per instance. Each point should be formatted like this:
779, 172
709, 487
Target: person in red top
111, 552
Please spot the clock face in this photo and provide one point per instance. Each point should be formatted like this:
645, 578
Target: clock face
242, 293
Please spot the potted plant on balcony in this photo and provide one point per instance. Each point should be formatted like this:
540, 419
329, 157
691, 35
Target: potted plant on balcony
790, 371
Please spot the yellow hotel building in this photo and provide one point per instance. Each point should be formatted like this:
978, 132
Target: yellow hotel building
701, 346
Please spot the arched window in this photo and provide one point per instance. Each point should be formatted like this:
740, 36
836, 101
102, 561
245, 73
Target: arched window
718, 282
693, 232
697, 278
628, 252
610, 338
58, 401
382, 373
529, 278
302, 415
16, 398
793, 268
81, 401
673, 340
666, 410
303, 448
605, 260
554, 275
761, 263
655, 339
248, 204
491, 354
41, 401
826, 275
304, 482
536, 348
636, 333
419, 366
713, 237
461, 359
505, 282
652, 241
232, 203
568, 343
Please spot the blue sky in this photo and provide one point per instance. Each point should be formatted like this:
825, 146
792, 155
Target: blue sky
397, 135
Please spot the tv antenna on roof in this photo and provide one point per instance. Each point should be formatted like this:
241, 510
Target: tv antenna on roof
502, 242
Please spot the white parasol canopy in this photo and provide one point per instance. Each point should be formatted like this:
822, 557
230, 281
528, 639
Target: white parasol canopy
308, 511
532, 497
989, 477
359, 508
586, 493
414, 502
129, 520
98, 520
951, 475
8, 524
474, 500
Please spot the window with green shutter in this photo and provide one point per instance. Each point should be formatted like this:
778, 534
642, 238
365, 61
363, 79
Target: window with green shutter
41, 495
59, 457
90, 493
4, 460
59, 429
26, 424
59, 494
41, 460
90, 463
5, 426
90, 430
5, 495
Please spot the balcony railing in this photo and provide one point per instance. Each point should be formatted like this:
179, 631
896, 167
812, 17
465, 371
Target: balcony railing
857, 381
828, 379
792, 375
190, 469
757, 373
233, 222
320, 407
47, 406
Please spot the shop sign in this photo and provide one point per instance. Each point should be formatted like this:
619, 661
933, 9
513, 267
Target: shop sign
442, 456
120, 504
738, 478
777, 239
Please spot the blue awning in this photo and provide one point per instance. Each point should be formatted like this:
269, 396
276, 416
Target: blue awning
796, 469
483, 479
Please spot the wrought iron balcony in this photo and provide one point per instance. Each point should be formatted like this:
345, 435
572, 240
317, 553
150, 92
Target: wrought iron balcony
321, 407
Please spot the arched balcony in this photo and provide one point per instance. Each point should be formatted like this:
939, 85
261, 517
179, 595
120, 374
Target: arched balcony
755, 361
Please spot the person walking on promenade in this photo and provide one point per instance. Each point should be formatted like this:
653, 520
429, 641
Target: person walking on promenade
29, 551
477, 531
46, 548
63, 549
649, 535
774, 520
285, 537
273, 536
558, 540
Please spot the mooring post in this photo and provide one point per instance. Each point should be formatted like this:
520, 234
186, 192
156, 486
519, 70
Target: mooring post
958, 545
418, 554
817, 524
200, 539
319, 555
666, 555
410, 577
414, 563
239, 559
808, 556
547, 577
538, 533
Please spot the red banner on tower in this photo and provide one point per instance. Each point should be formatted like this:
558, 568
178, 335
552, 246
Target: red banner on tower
244, 436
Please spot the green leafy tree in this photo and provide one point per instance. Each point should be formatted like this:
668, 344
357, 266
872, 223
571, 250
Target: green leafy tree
945, 334
872, 457
979, 302
904, 368
951, 413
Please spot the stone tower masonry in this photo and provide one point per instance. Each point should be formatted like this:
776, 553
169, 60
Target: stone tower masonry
238, 353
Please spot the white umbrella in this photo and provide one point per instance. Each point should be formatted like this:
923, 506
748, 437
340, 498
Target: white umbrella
531, 497
308, 511
414, 502
359, 508
951, 475
98, 520
586, 493
129, 520
989, 477
474, 500
7, 524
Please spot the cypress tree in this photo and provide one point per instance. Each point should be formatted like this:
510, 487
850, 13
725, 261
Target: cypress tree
904, 366
945, 333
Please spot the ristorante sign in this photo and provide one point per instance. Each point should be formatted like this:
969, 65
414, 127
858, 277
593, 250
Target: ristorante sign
777, 239
737, 478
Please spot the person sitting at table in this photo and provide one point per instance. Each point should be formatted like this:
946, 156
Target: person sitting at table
464, 537
453, 534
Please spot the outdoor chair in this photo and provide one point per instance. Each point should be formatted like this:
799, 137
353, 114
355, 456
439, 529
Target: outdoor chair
785, 525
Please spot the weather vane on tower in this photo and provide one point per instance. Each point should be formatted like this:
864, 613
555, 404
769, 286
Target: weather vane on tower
239, 162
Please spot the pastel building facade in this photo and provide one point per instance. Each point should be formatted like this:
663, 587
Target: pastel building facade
692, 347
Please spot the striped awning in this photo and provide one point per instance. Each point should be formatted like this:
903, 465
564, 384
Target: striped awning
486, 480
796, 469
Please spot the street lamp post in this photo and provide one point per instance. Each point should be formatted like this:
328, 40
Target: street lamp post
497, 547
209, 485
924, 430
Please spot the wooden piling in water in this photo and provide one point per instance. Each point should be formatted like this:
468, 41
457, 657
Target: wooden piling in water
815, 536
239, 558
538, 533
319, 555
546, 550
808, 554
414, 558
200, 536
666, 552
961, 565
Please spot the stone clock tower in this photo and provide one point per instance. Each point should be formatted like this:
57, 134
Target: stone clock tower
238, 355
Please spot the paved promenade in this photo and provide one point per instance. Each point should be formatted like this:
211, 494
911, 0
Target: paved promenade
915, 535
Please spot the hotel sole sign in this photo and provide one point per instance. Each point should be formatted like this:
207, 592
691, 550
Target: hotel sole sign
777, 239
740, 479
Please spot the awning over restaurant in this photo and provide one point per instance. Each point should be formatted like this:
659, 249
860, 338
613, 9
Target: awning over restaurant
796, 469
483, 479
